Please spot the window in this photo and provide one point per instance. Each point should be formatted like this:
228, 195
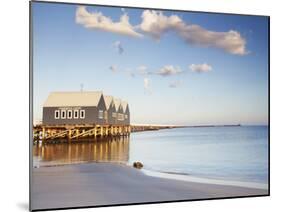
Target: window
113, 115
120, 116
69, 114
126, 116
82, 114
105, 115
57, 114
76, 114
63, 114
100, 114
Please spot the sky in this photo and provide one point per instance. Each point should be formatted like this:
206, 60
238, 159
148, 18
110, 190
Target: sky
172, 67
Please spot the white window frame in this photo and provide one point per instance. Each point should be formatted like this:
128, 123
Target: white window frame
84, 114
100, 115
63, 112
57, 112
69, 116
74, 112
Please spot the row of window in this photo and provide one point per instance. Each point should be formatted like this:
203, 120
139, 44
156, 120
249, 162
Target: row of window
120, 116
76, 114
69, 114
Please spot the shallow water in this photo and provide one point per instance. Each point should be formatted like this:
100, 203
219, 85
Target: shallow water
227, 153
80, 151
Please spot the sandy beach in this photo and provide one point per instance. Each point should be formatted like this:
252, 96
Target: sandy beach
96, 184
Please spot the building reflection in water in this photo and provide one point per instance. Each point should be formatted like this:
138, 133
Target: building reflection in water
103, 150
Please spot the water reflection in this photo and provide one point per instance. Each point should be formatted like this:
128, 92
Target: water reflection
105, 150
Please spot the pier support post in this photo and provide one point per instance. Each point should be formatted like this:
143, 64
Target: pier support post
95, 132
69, 134
77, 132
111, 130
43, 133
101, 131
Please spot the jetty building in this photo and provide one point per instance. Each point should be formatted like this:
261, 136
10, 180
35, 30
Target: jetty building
83, 114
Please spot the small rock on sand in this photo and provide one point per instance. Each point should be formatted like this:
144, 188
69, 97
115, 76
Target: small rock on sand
137, 165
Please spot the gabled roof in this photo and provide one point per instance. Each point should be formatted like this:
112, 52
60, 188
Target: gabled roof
72, 99
108, 100
124, 105
117, 103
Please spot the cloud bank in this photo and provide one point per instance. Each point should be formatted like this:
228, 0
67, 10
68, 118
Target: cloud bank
200, 67
155, 24
96, 20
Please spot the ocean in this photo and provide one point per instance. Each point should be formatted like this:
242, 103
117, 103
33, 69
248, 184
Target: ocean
238, 153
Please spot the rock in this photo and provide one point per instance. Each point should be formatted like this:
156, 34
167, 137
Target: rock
137, 165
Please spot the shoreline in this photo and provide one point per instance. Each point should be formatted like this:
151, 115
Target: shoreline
93, 184
173, 175
191, 178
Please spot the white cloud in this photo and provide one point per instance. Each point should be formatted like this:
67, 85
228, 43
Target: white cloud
146, 85
200, 67
118, 46
169, 70
142, 70
155, 24
96, 20
113, 68
175, 84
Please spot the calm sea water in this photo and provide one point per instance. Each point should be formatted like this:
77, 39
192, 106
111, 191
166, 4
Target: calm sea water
231, 153
228, 153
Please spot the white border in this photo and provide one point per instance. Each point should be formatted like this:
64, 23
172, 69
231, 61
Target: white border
14, 84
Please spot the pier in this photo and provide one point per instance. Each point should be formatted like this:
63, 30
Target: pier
72, 132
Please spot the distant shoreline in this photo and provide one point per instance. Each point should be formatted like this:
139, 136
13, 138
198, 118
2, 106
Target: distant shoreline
140, 128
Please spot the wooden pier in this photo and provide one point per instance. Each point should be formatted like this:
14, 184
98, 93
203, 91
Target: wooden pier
72, 132
48, 133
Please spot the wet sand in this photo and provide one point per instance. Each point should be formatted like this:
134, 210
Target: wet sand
96, 184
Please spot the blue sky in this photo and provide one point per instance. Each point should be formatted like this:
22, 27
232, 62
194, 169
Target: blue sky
172, 67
